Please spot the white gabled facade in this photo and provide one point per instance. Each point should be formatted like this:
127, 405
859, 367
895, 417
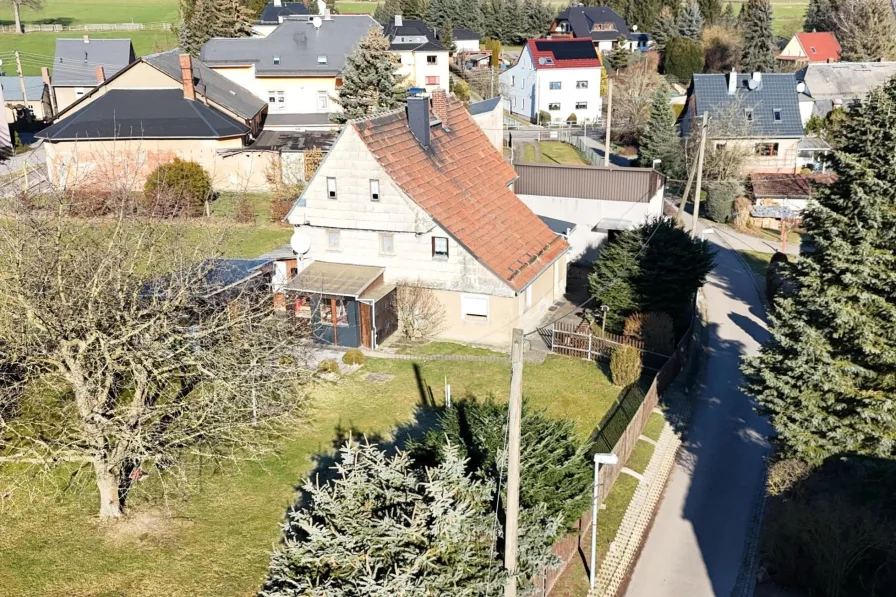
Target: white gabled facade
427, 69
528, 89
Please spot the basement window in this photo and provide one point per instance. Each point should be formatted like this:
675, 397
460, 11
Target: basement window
554, 107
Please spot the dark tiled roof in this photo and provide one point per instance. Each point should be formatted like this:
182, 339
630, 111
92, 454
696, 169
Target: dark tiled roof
484, 106
791, 186
776, 91
583, 18
465, 34
271, 14
75, 62
412, 28
461, 181
563, 53
215, 86
144, 114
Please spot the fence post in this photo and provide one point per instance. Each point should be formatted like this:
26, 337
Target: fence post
590, 337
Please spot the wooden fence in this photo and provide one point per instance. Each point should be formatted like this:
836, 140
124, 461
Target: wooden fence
622, 444
57, 27
578, 340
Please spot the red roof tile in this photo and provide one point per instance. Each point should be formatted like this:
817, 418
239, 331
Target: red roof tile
461, 181
820, 47
559, 50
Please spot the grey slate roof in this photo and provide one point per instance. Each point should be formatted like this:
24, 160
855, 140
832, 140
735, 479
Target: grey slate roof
215, 86
845, 81
75, 62
582, 19
144, 114
777, 91
296, 45
484, 106
418, 35
271, 14
461, 34
12, 89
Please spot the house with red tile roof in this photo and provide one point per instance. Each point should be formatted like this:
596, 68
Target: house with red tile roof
560, 77
420, 195
821, 46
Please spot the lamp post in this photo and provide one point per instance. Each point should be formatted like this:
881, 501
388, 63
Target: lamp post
603, 323
599, 459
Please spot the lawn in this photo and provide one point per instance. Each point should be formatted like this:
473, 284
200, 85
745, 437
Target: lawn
640, 456
447, 348
558, 152
37, 49
356, 7
529, 155
654, 427
215, 539
73, 12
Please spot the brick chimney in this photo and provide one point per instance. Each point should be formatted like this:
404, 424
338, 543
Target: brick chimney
100, 75
440, 106
86, 39
186, 75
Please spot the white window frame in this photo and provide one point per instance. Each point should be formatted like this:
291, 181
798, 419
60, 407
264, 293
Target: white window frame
321, 59
323, 102
778, 114
278, 97
474, 303
432, 59
552, 87
440, 255
338, 237
581, 105
383, 236
581, 84
331, 187
374, 190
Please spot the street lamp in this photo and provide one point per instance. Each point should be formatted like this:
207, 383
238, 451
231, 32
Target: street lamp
599, 459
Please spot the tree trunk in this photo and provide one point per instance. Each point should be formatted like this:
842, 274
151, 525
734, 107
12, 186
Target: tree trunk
110, 499
15, 10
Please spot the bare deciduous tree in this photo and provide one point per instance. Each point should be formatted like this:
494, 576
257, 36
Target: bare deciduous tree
632, 94
421, 315
726, 149
17, 6
129, 353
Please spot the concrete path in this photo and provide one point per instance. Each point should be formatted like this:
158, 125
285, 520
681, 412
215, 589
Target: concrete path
705, 528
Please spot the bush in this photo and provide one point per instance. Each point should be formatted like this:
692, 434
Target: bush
720, 199
462, 91
658, 333
328, 366
544, 117
245, 211
684, 57
633, 325
178, 188
354, 357
625, 365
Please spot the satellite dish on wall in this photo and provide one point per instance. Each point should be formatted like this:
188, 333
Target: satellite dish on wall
300, 242
800, 87
542, 61
317, 22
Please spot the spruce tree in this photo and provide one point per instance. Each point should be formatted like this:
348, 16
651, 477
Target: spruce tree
621, 56
231, 19
827, 376
369, 82
664, 28
729, 19
711, 11
413, 9
313, 8
690, 22
441, 12
659, 141
386, 11
644, 13
541, 18
383, 527
196, 25
760, 46
469, 14
511, 22
819, 16
446, 36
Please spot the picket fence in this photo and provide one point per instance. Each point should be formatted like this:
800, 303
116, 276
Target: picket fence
58, 27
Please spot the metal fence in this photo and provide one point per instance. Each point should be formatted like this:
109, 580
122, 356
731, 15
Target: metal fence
57, 27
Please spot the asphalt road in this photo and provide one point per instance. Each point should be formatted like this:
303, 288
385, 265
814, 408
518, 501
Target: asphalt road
696, 546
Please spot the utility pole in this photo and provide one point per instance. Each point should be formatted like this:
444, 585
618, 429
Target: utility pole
609, 121
514, 421
22, 81
687, 189
699, 175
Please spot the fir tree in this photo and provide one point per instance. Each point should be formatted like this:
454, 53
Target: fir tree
446, 36
620, 57
541, 18
469, 15
441, 12
827, 376
819, 16
313, 8
711, 11
201, 20
760, 46
659, 141
385, 528
729, 19
664, 29
369, 82
690, 22
413, 9
386, 11
491, 11
511, 22
644, 14
231, 19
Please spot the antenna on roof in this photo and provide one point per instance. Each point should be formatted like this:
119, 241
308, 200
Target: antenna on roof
317, 22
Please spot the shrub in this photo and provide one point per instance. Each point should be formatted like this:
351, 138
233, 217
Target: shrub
245, 211
328, 366
784, 474
684, 57
720, 199
625, 365
178, 188
544, 117
420, 313
353, 357
633, 325
742, 207
659, 333
462, 91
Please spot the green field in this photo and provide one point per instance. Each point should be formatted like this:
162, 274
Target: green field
73, 12
356, 7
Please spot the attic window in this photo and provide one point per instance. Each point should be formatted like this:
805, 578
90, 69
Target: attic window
321, 59
777, 115
549, 61
276, 60
748, 112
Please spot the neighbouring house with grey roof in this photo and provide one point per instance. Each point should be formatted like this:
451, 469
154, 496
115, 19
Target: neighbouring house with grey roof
828, 86
159, 108
32, 105
423, 60
489, 115
759, 110
296, 69
602, 24
275, 12
79, 64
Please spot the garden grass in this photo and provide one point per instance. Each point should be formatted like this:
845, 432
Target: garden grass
558, 152
640, 456
654, 427
448, 348
529, 155
216, 538
356, 7
74, 12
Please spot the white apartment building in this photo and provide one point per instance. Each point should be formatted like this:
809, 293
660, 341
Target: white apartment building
423, 60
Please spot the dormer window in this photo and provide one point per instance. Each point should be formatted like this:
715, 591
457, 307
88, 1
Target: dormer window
321, 59
777, 114
276, 60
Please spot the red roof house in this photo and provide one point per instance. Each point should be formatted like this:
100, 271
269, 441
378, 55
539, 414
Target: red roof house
575, 52
812, 47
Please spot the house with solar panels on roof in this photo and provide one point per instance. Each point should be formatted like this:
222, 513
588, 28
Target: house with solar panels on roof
757, 110
560, 77
604, 26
